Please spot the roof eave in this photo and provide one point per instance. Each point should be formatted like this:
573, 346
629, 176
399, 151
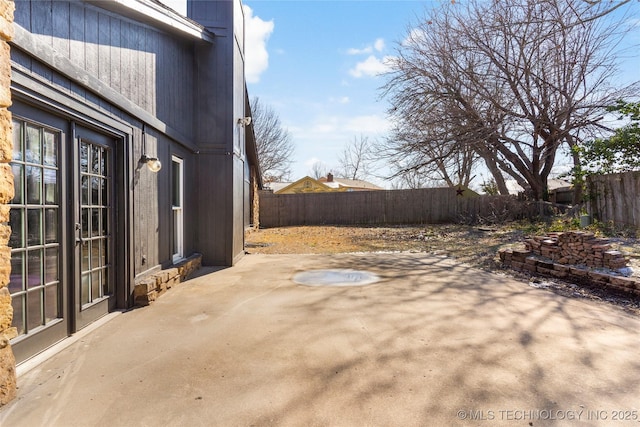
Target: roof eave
157, 15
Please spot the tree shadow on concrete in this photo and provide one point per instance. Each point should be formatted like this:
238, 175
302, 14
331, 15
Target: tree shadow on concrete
433, 338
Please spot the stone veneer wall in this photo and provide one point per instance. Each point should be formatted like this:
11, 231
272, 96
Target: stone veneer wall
149, 288
572, 256
7, 361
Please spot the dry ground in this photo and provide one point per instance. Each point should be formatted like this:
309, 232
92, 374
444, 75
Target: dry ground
473, 245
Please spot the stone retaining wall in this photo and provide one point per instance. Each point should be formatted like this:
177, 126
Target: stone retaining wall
540, 261
577, 247
149, 288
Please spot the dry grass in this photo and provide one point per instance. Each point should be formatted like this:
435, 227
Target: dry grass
473, 245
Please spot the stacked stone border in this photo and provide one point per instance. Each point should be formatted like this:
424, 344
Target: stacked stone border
148, 289
7, 360
573, 257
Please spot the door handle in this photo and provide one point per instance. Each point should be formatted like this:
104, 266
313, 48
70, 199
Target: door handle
79, 238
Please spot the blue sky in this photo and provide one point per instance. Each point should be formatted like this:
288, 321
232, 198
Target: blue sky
322, 77
317, 64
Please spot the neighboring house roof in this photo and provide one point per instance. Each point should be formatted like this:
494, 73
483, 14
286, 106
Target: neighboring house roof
303, 185
553, 185
324, 184
349, 183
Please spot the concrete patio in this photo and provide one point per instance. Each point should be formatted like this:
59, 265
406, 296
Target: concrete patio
432, 343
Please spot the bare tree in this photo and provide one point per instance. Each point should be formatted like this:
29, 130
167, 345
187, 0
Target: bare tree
413, 180
356, 159
274, 144
319, 170
511, 81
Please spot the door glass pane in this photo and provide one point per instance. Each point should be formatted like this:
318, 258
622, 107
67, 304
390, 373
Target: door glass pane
96, 164
95, 285
34, 268
104, 162
51, 265
34, 227
18, 303
84, 190
95, 222
85, 223
51, 225
17, 228
16, 283
86, 245
17, 141
17, 182
95, 187
84, 288
84, 157
50, 149
95, 253
34, 185
105, 222
107, 288
34, 309
105, 192
33, 154
50, 186
103, 252
51, 304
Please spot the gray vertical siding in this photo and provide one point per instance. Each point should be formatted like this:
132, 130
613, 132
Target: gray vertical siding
188, 92
149, 67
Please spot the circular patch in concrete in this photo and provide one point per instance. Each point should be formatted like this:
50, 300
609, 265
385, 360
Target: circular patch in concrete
338, 277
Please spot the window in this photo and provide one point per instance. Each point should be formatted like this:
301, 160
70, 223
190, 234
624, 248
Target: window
177, 201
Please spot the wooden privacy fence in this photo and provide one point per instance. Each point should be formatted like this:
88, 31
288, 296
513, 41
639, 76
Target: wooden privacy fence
422, 206
615, 197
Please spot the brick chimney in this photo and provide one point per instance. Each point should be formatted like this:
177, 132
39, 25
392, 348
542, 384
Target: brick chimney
329, 177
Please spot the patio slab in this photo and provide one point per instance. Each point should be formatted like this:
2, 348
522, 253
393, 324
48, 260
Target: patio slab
431, 342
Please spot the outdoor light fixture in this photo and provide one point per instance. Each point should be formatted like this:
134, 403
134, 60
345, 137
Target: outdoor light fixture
244, 121
153, 163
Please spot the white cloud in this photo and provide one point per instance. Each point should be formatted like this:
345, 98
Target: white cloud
257, 34
415, 36
312, 161
325, 125
332, 129
370, 124
365, 50
340, 100
378, 45
372, 66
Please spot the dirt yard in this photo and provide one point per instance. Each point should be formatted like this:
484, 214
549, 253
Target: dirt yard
473, 245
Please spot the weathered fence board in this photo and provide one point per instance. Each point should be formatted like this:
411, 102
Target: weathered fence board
616, 197
422, 206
